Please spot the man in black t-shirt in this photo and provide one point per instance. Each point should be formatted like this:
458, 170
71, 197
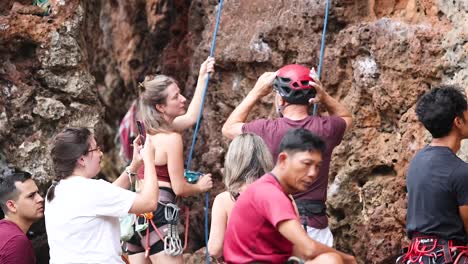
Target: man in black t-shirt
437, 180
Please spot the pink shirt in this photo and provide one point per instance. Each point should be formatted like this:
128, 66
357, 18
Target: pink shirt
330, 128
15, 247
252, 233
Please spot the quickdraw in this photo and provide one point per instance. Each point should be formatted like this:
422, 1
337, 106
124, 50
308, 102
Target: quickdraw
172, 243
432, 250
295, 260
170, 235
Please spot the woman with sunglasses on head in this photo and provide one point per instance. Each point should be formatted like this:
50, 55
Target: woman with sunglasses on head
161, 107
81, 213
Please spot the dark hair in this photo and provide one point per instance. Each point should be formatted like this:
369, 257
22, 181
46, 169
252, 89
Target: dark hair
437, 109
67, 147
299, 140
8, 189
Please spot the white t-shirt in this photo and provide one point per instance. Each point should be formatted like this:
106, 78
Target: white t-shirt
82, 221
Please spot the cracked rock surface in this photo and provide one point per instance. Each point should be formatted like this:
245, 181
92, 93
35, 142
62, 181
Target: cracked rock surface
80, 66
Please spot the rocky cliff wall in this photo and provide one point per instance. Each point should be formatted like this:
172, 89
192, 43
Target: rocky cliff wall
80, 66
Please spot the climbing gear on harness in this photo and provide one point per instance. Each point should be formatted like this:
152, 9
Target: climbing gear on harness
189, 159
433, 250
168, 233
172, 243
322, 46
192, 176
295, 260
149, 219
310, 208
292, 84
143, 226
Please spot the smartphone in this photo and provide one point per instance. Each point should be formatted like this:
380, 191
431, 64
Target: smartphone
141, 131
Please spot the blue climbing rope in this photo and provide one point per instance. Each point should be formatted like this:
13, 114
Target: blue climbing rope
195, 133
213, 43
322, 46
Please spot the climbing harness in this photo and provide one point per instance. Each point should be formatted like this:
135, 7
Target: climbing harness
433, 250
168, 233
310, 208
322, 46
295, 260
189, 160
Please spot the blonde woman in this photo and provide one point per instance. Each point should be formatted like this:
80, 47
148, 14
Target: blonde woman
161, 106
247, 160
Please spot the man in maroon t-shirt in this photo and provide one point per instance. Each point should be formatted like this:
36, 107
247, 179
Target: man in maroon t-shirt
263, 225
296, 88
22, 206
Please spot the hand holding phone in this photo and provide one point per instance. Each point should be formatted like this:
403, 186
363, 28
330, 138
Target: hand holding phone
141, 131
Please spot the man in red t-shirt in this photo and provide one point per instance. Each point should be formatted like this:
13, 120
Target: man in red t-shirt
22, 206
296, 88
263, 225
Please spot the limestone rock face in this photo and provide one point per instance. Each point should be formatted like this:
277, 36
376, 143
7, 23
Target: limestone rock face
80, 66
43, 73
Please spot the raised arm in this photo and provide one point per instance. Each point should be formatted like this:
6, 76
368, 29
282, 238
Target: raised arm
219, 220
304, 246
147, 199
123, 180
233, 125
332, 105
187, 120
175, 165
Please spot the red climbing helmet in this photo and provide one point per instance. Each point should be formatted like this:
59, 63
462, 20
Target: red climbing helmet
292, 83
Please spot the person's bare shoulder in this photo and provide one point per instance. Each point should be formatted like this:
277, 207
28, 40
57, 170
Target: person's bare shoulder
224, 197
167, 139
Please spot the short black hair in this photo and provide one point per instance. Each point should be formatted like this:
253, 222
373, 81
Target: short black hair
8, 191
437, 109
299, 140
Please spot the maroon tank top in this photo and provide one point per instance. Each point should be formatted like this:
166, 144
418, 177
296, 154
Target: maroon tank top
161, 171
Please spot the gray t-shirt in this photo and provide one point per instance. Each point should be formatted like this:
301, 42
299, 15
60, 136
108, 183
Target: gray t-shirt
437, 182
